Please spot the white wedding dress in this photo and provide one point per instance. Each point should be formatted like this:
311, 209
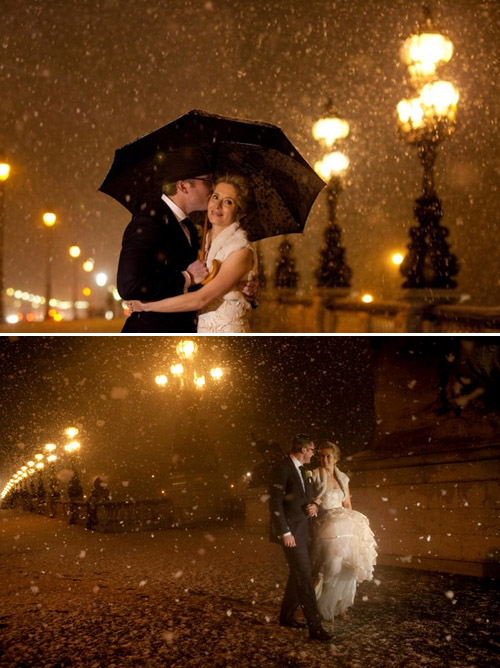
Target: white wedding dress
229, 313
343, 550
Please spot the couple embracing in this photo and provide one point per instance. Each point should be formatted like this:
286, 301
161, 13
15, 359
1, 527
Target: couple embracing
159, 274
324, 571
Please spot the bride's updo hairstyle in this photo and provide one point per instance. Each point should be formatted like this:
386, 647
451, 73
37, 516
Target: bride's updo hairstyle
328, 445
244, 191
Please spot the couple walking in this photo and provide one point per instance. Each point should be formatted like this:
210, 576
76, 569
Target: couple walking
159, 274
324, 571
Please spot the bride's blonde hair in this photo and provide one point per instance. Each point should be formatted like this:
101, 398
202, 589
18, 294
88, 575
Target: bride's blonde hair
244, 191
328, 445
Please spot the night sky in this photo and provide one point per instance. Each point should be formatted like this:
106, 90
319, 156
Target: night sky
274, 388
79, 79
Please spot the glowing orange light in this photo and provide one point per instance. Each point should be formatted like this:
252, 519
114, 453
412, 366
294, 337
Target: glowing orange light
86, 292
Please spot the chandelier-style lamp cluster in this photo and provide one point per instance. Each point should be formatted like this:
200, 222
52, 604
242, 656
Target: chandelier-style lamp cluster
185, 372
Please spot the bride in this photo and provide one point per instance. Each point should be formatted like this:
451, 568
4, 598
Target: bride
220, 304
343, 550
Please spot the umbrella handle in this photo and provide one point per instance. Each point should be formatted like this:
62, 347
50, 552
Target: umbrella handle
201, 255
213, 273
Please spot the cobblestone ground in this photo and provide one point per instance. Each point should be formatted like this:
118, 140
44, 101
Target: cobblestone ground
210, 597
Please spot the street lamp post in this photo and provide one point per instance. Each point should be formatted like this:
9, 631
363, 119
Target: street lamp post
4, 175
425, 121
286, 276
74, 252
75, 489
333, 271
187, 377
54, 492
49, 220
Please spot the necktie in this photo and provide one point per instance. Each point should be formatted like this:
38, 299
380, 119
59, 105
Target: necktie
187, 227
303, 475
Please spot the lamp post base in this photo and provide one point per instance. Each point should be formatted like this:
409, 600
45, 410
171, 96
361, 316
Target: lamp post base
429, 263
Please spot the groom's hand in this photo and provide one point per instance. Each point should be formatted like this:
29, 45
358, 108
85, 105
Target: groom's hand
197, 271
312, 510
250, 290
289, 540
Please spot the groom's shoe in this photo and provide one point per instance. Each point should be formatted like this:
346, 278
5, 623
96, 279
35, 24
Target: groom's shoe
294, 624
321, 635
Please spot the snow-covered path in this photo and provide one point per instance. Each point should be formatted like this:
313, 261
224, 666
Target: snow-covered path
210, 597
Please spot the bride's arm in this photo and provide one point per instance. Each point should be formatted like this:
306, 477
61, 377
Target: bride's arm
232, 270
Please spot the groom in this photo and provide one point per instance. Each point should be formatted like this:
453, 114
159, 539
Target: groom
291, 506
160, 247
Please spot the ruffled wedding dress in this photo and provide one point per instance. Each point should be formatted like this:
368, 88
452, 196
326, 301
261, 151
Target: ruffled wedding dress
343, 550
229, 313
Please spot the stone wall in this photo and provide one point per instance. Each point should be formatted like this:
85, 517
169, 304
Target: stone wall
437, 511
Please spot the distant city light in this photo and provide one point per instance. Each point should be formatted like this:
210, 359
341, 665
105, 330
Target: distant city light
101, 279
397, 258
12, 319
4, 171
75, 251
88, 265
49, 219
367, 298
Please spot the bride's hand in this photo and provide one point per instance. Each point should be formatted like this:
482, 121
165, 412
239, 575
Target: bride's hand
134, 305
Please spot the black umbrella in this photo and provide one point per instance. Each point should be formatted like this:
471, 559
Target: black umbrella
285, 185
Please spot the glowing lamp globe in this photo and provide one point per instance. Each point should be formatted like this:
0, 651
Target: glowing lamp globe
4, 171
333, 164
49, 219
329, 130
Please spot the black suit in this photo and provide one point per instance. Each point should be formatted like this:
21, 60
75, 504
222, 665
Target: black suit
287, 504
155, 251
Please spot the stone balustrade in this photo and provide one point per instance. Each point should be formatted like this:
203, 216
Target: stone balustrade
331, 311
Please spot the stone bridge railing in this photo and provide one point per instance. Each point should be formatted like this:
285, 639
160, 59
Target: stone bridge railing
141, 515
328, 311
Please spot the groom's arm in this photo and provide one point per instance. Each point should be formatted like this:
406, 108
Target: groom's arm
277, 492
143, 273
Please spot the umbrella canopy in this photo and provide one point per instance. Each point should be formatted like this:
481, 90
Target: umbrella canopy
197, 143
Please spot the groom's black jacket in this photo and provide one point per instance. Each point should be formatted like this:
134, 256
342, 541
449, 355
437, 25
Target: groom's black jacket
287, 503
154, 252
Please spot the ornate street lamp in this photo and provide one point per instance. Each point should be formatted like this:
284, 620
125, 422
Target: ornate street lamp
4, 175
425, 120
74, 253
49, 220
333, 271
185, 380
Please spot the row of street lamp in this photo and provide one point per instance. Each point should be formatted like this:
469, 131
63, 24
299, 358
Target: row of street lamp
424, 120
49, 219
37, 464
